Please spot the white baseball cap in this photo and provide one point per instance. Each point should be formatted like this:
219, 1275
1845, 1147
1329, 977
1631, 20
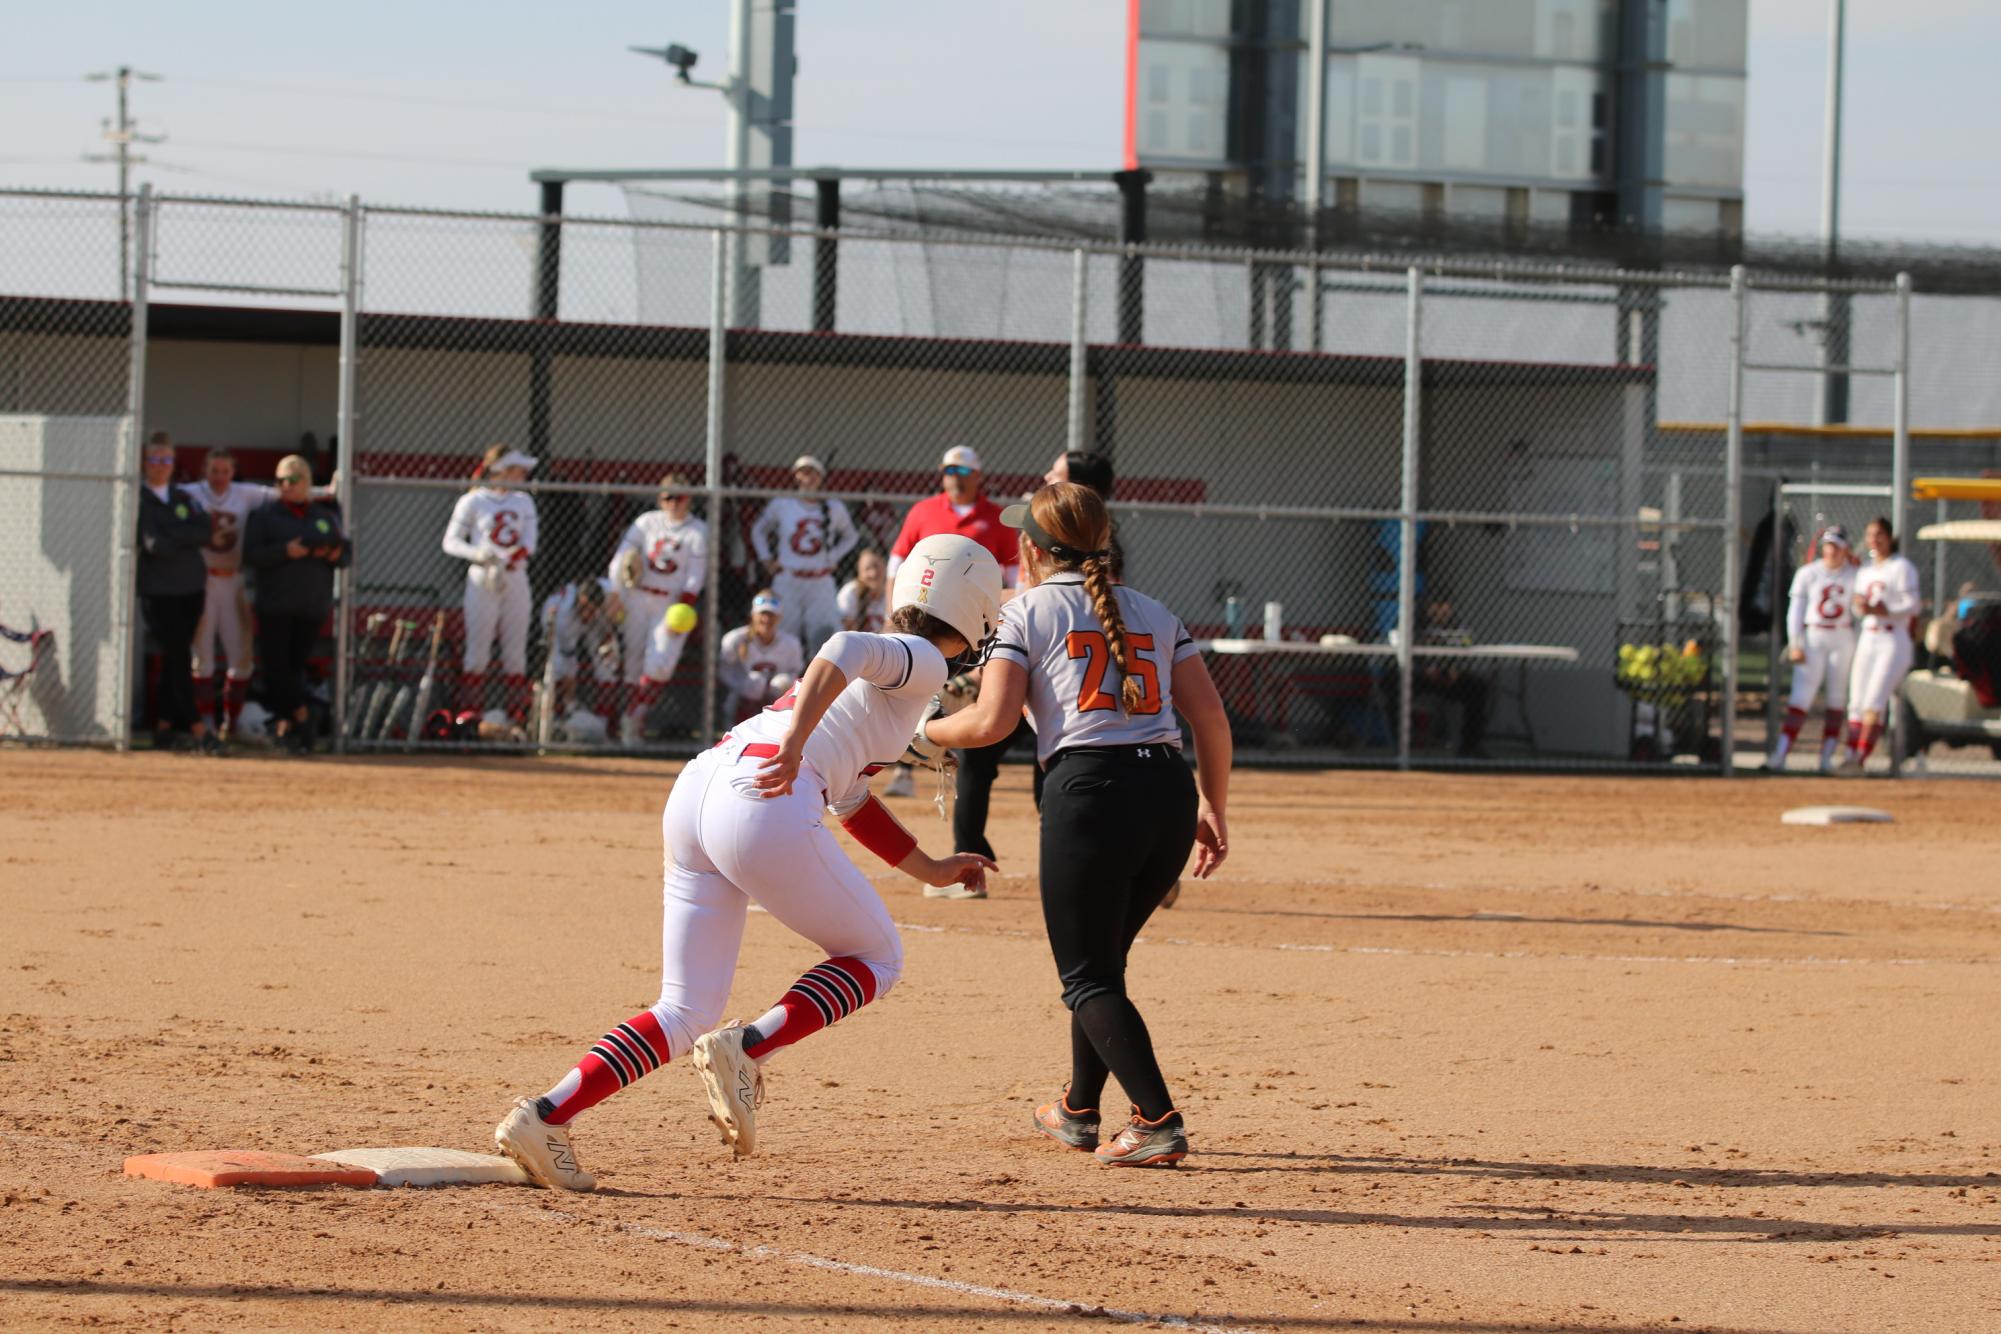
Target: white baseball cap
767, 602
514, 458
808, 461
961, 456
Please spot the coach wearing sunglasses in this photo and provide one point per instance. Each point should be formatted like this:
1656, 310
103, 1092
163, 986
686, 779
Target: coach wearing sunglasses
173, 581
295, 544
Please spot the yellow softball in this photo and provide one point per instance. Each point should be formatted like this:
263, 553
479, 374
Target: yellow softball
681, 618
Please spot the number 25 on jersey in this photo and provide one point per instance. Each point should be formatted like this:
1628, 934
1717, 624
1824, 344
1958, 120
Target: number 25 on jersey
1097, 655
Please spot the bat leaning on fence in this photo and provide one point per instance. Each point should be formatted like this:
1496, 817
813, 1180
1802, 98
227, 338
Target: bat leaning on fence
378, 699
426, 687
407, 692
365, 670
544, 728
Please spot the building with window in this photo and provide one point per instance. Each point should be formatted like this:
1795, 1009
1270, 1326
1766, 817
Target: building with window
1531, 112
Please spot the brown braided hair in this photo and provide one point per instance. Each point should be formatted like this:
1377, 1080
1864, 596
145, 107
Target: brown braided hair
1076, 517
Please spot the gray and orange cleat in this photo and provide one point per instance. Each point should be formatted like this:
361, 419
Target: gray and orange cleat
543, 1150
735, 1086
1161, 1143
1066, 1125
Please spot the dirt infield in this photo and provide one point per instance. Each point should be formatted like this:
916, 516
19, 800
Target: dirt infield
1471, 1053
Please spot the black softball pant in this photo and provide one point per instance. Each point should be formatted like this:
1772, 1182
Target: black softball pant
283, 645
172, 618
1117, 827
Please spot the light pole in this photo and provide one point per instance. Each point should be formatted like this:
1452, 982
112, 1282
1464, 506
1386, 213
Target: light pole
1834, 306
122, 136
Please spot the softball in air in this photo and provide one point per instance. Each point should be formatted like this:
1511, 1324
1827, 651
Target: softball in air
681, 618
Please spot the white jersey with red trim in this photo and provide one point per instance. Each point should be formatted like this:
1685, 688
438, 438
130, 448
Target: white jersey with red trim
672, 556
1073, 684
490, 524
862, 610
1893, 582
1819, 601
227, 513
891, 679
805, 537
745, 665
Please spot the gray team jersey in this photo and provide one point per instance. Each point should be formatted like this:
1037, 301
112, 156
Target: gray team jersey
1073, 684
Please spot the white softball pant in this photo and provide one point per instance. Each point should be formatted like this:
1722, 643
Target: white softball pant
1882, 657
812, 608
727, 848
1829, 658
643, 611
498, 602
225, 625
663, 653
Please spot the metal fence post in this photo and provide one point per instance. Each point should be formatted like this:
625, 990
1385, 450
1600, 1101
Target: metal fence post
125, 637
1733, 522
344, 456
1900, 469
1080, 296
1413, 375
720, 296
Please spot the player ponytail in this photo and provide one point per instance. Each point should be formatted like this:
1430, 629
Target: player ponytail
1079, 531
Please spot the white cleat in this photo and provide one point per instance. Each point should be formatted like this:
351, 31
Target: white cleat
955, 890
1775, 763
735, 1086
1848, 767
900, 784
543, 1150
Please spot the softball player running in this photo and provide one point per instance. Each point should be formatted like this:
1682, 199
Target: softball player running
660, 561
1887, 600
493, 530
1103, 669
1820, 642
801, 541
743, 824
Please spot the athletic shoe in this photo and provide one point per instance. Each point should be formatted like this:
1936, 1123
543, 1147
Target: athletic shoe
1827, 762
1161, 1143
211, 744
900, 785
735, 1086
1074, 1130
628, 731
1173, 895
1775, 763
955, 890
1848, 767
543, 1150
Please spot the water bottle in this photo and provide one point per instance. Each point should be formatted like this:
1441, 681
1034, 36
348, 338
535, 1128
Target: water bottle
1274, 621
1233, 617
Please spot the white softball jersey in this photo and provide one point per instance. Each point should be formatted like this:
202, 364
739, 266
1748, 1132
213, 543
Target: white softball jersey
1884, 649
807, 538
861, 610
745, 665
227, 512
891, 679
1073, 683
490, 524
1894, 583
1820, 600
672, 556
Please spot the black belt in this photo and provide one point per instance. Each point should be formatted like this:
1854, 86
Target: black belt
1144, 750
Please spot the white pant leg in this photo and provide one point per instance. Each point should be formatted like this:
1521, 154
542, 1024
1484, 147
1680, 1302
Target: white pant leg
780, 853
643, 611
482, 613
663, 652
1881, 659
1840, 662
701, 921
1808, 674
208, 632
812, 609
517, 613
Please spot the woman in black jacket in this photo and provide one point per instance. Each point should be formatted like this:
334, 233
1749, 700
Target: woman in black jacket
295, 544
172, 581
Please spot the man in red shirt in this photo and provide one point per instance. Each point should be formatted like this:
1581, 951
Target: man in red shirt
961, 507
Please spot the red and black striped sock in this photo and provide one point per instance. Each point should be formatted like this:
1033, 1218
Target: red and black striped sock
826, 993
636, 1047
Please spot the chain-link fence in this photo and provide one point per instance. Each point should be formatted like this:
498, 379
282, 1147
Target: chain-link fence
1456, 514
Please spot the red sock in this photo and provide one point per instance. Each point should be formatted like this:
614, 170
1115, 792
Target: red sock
472, 691
1870, 731
519, 696
1854, 737
1830, 728
235, 690
644, 696
636, 1047
204, 697
826, 993
1795, 720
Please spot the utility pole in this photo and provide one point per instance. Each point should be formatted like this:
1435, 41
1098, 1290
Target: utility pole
122, 135
1835, 307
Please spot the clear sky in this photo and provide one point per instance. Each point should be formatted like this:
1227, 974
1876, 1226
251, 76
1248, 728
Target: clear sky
450, 104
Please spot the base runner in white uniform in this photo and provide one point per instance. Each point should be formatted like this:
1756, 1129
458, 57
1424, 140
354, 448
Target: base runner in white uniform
1103, 669
757, 663
1820, 644
661, 561
745, 824
224, 631
801, 540
1887, 600
493, 530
